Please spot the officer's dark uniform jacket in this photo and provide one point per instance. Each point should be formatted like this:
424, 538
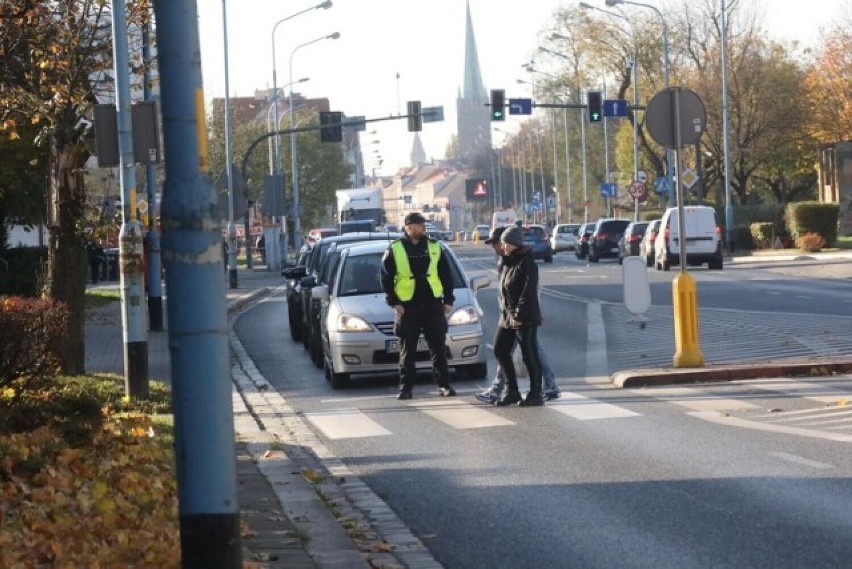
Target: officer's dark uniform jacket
419, 261
518, 295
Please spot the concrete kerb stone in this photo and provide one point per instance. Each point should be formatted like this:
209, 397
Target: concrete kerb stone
717, 373
347, 524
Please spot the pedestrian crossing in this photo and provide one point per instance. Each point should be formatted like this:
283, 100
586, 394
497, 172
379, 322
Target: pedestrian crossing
817, 408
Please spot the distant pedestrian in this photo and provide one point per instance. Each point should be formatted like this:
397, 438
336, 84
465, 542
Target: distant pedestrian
225, 252
418, 283
493, 393
520, 318
96, 257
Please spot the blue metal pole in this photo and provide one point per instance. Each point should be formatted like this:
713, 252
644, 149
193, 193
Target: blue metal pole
134, 325
155, 289
198, 337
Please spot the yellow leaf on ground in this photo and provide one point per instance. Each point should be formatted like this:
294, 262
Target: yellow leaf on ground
312, 475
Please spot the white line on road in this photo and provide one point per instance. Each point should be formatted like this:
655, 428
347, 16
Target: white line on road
715, 417
585, 409
597, 367
460, 415
801, 460
695, 399
346, 424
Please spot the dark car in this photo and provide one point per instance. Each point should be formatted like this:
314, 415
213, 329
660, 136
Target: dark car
628, 245
604, 239
583, 235
310, 307
646, 247
294, 276
535, 237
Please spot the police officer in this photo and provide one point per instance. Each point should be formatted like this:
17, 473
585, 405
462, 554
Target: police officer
418, 284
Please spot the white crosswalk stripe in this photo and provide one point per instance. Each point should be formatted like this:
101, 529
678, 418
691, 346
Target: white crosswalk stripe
695, 399
461, 415
345, 424
586, 409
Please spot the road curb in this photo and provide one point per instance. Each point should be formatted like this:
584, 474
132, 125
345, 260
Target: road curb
717, 373
245, 299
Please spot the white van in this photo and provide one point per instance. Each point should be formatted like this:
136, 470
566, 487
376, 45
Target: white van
703, 238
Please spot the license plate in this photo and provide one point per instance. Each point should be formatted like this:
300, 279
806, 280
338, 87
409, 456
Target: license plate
392, 346
614, 250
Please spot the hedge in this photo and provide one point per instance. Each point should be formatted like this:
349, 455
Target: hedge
25, 271
814, 217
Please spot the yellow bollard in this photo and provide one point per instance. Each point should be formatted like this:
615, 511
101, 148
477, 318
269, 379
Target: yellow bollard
476, 237
687, 350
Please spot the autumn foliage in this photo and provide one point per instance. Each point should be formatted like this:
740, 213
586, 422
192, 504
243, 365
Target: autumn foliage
30, 332
110, 504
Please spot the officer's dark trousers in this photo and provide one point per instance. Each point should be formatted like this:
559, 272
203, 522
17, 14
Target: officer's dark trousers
430, 319
504, 341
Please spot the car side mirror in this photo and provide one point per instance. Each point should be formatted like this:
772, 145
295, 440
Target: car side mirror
308, 282
480, 281
294, 272
320, 293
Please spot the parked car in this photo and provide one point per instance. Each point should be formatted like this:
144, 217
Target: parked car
358, 326
306, 275
703, 238
535, 237
481, 232
564, 237
294, 276
628, 245
318, 233
356, 226
604, 239
646, 247
583, 234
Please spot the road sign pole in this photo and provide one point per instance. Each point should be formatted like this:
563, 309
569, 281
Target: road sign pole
687, 349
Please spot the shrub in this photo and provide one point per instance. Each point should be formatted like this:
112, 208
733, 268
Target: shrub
26, 270
810, 242
741, 236
30, 334
763, 234
813, 217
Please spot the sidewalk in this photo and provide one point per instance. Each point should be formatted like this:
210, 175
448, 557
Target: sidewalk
276, 501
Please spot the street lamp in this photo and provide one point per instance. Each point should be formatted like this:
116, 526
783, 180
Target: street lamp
530, 68
273, 156
297, 224
669, 159
635, 96
277, 171
729, 208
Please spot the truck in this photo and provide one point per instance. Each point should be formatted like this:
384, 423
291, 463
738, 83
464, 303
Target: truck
361, 205
503, 218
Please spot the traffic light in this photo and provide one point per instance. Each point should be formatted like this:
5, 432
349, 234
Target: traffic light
593, 100
415, 119
332, 129
498, 105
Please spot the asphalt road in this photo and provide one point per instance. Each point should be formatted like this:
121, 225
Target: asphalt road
748, 474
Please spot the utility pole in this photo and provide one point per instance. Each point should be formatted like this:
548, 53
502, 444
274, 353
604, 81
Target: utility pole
134, 325
198, 325
155, 289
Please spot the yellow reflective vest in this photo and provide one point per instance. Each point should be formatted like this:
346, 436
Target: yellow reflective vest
403, 281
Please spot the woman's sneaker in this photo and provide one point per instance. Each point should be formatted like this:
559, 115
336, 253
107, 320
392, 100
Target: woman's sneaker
551, 394
490, 396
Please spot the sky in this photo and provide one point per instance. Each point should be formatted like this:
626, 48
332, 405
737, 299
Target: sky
421, 42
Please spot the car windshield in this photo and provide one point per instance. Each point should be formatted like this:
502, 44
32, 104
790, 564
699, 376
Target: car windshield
362, 274
533, 233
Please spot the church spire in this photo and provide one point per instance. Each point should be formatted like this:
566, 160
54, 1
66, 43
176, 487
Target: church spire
418, 153
473, 88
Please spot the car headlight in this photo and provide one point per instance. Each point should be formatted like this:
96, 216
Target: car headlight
350, 323
464, 315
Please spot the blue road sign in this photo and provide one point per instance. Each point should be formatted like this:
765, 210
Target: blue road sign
433, 114
660, 185
520, 106
609, 190
615, 108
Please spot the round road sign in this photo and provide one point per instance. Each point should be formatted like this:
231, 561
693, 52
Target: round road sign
662, 120
637, 190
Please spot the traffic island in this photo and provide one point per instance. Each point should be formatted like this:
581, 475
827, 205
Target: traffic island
811, 367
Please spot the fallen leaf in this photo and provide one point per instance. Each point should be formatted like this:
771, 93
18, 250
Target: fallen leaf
382, 547
841, 403
267, 454
312, 475
775, 410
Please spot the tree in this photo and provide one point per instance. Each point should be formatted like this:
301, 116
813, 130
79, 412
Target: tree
829, 88
56, 56
321, 166
22, 181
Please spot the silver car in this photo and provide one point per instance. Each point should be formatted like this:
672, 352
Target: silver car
357, 323
564, 237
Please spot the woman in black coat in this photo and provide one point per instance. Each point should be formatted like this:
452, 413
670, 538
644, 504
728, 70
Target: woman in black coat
520, 317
